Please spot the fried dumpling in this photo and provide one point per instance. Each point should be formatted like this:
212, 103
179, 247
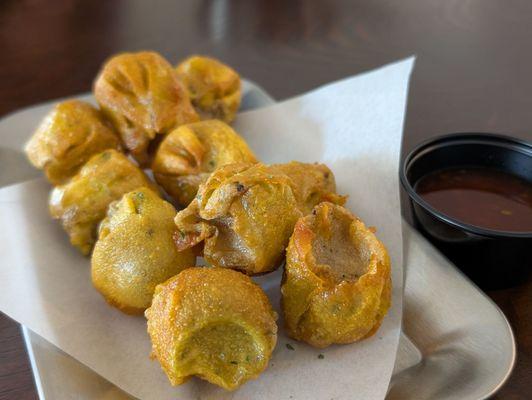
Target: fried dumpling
142, 96
82, 202
213, 323
336, 285
135, 250
189, 154
67, 137
245, 213
213, 87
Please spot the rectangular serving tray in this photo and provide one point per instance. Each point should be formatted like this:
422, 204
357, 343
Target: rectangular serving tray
456, 343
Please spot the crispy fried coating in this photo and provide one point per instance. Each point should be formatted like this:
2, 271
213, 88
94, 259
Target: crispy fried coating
213, 87
67, 137
135, 250
214, 323
245, 213
189, 154
336, 285
82, 202
312, 183
142, 96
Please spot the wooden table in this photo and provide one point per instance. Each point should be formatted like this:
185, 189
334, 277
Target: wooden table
473, 73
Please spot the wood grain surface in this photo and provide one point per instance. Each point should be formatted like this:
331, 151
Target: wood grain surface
473, 73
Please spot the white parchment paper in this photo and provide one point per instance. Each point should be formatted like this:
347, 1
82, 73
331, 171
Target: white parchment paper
354, 126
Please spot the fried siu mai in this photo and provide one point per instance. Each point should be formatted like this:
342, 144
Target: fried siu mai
142, 96
71, 133
189, 154
214, 88
213, 323
81, 203
336, 286
135, 250
244, 214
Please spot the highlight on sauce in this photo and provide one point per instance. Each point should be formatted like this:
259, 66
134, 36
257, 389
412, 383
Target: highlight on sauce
483, 197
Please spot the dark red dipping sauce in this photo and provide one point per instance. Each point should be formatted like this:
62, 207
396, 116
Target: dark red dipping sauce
482, 197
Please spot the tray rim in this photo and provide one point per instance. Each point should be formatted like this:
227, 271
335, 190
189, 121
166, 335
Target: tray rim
473, 285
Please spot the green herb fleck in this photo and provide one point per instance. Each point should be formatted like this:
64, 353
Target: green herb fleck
335, 308
289, 346
248, 358
234, 362
212, 163
321, 356
106, 155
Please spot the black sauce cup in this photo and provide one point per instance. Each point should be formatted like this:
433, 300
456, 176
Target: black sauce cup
491, 258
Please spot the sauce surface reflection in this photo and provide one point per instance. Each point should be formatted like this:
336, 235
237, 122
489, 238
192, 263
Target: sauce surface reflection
481, 197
